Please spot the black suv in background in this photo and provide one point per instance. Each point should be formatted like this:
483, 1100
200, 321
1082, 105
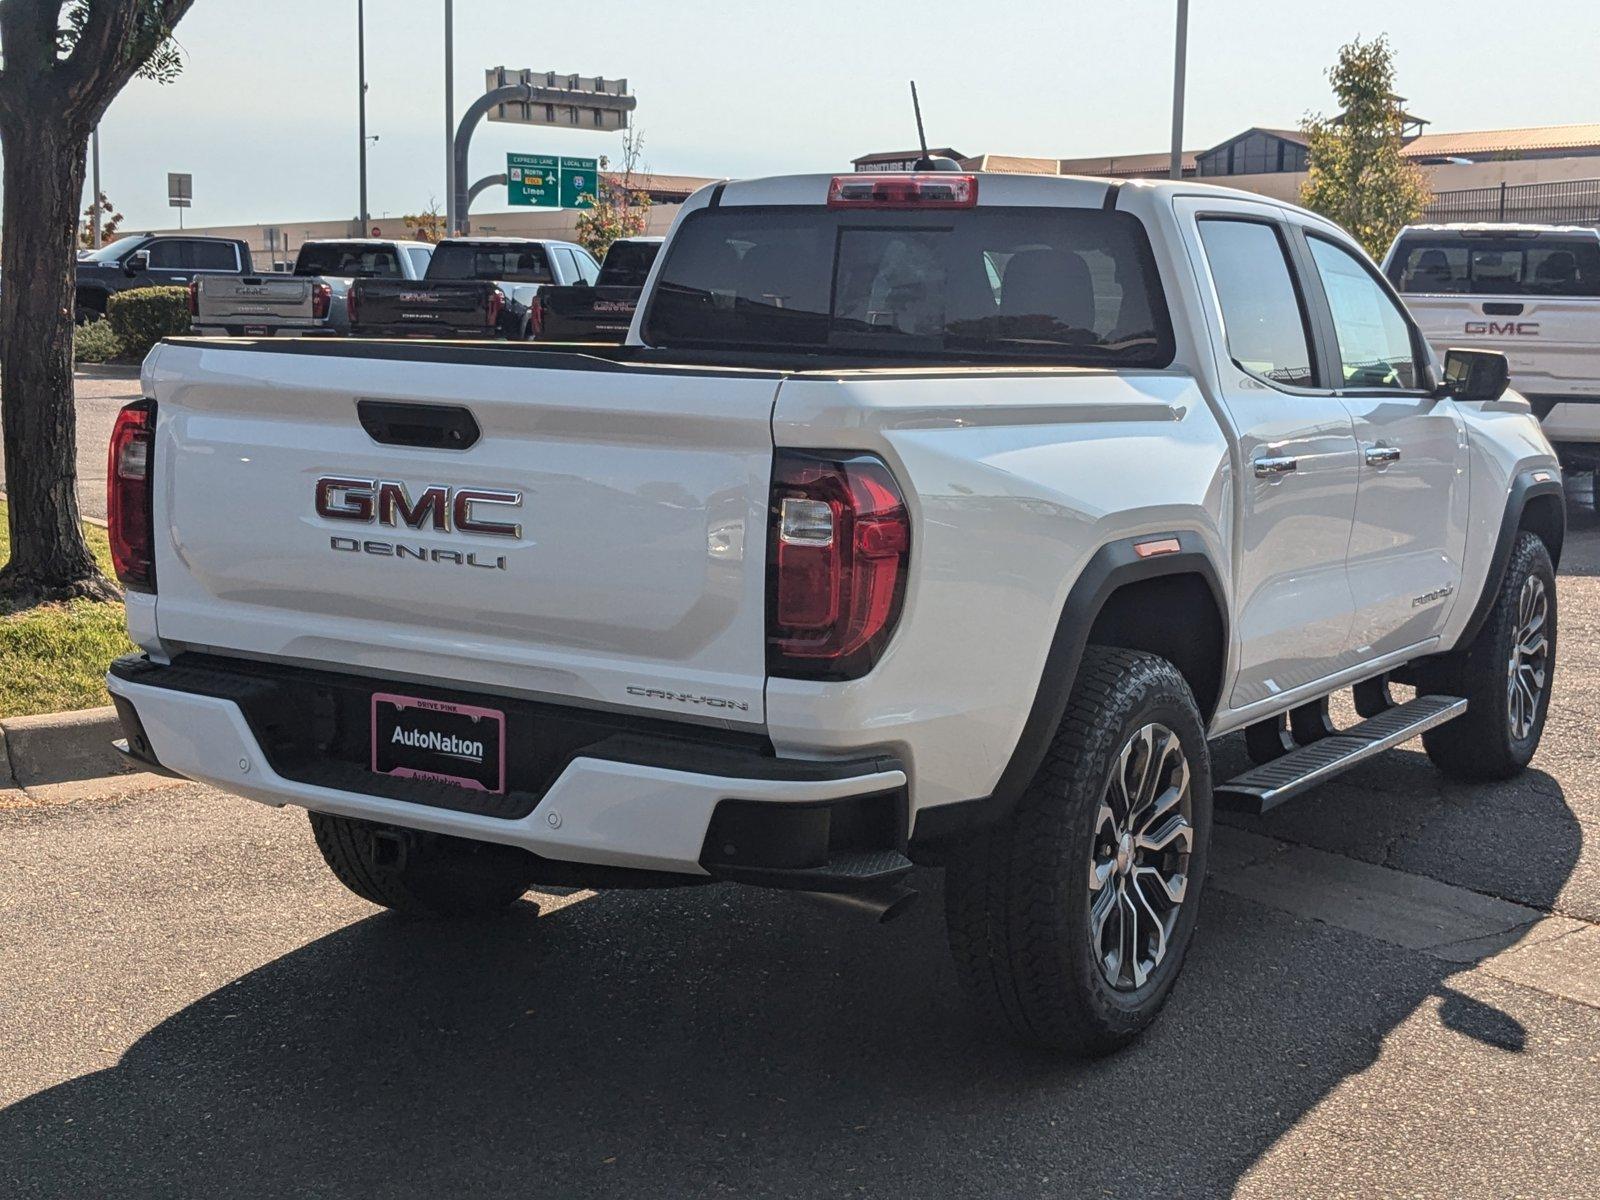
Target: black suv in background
154, 260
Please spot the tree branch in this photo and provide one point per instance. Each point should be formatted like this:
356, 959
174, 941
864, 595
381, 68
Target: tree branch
117, 39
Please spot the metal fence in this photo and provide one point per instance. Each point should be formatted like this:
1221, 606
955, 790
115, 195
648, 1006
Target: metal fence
1569, 202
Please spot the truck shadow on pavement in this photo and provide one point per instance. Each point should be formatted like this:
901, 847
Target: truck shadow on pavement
718, 1042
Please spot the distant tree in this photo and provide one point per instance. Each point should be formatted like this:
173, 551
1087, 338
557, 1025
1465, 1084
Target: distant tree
64, 62
618, 208
1358, 176
426, 226
110, 222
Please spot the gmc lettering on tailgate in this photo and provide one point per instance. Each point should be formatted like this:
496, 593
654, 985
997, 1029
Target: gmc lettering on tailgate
1503, 328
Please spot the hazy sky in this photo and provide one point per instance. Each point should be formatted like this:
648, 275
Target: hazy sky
265, 113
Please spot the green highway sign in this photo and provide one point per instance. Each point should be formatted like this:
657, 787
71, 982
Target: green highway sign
579, 176
533, 180
548, 181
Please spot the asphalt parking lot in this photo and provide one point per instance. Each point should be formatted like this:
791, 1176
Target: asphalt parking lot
1395, 991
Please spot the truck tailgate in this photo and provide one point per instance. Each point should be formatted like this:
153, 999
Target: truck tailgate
234, 299
440, 307
635, 575
1552, 343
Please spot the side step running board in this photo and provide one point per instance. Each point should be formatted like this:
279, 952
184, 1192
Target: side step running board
1270, 784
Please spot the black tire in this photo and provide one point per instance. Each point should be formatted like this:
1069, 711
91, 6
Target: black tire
421, 874
1018, 896
1482, 744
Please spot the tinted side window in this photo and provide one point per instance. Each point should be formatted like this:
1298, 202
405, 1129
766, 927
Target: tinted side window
214, 256
169, 255
1374, 339
419, 260
588, 269
1263, 318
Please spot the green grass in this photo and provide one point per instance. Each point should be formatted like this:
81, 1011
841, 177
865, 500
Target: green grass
54, 657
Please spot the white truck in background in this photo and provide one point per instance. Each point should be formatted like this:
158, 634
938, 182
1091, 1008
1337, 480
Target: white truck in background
308, 302
926, 518
1529, 291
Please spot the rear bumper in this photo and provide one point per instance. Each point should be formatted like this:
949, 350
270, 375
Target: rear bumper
238, 330
631, 800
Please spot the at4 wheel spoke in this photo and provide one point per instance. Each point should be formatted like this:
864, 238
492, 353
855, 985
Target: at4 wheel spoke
1139, 858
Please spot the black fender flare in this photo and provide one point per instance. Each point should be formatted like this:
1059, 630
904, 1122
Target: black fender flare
1525, 486
1114, 565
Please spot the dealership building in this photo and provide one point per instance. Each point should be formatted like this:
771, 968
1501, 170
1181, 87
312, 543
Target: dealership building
1549, 174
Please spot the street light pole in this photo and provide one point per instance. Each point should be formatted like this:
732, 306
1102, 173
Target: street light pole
449, 118
94, 220
1180, 55
361, 74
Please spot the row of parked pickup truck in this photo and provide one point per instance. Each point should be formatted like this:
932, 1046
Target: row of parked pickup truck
521, 289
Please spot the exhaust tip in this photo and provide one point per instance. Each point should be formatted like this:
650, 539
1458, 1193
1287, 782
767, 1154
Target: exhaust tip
880, 904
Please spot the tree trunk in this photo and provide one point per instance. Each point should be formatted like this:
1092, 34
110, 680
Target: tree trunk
44, 165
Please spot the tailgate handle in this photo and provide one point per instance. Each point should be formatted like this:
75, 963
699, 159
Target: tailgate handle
427, 426
1499, 308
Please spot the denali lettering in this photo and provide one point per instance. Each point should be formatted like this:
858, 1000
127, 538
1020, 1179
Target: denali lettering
1503, 328
688, 698
442, 743
438, 507
348, 545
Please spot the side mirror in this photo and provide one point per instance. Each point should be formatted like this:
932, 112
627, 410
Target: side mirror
137, 263
1475, 375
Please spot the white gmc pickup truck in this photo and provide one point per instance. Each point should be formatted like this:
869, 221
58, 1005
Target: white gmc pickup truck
929, 518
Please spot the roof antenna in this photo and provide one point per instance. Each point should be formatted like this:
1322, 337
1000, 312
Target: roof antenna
927, 162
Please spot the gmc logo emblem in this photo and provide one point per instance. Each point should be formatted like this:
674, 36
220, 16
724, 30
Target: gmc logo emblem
437, 507
1503, 328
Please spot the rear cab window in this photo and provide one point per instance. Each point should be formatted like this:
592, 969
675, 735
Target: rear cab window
353, 259
996, 283
628, 264
510, 263
1494, 263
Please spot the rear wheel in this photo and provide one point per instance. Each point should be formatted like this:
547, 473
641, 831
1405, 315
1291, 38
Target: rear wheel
421, 874
1069, 920
1505, 675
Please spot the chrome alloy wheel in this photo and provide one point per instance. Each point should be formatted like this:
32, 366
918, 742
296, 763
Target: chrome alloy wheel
1528, 669
1139, 862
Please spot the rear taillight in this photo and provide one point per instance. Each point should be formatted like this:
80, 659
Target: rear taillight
130, 520
321, 300
836, 568
934, 189
194, 297
536, 317
497, 303
350, 304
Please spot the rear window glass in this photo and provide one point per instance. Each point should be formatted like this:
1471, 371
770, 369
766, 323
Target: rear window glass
354, 261
1498, 266
513, 264
1062, 285
628, 263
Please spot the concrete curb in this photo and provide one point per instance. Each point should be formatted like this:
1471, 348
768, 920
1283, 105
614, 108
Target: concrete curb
106, 370
59, 748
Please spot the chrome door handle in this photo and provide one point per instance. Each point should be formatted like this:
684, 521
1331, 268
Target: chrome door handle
1271, 468
1382, 456
180, 279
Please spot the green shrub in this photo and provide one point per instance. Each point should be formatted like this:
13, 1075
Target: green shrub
142, 317
94, 342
